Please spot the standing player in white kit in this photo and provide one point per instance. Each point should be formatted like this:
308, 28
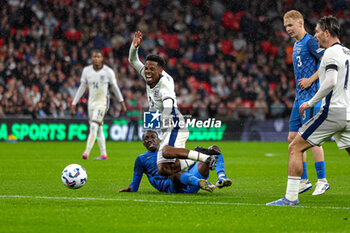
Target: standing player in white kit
334, 117
97, 77
172, 155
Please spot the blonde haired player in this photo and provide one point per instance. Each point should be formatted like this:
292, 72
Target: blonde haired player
97, 77
306, 57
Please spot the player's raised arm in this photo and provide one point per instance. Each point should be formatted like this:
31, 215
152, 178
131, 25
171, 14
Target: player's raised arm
137, 39
133, 56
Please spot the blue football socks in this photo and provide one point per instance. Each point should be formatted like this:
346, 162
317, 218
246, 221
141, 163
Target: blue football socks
320, 169
304, 176
189, 179
220, 166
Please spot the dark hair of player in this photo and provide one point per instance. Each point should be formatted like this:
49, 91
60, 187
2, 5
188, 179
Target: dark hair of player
331, 24
149, 131
96, 51
156, 58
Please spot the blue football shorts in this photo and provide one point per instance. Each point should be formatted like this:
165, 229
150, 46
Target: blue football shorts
296, 121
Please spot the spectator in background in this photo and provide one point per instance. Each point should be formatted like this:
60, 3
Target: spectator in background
81, 112
43, 46
132, 103
277, 108
2, 114
261, 108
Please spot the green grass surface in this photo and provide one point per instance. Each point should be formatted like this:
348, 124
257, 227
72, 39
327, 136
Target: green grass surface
33, 198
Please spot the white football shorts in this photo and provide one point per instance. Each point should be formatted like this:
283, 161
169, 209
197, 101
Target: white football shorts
323, 126
97, 113
173, 137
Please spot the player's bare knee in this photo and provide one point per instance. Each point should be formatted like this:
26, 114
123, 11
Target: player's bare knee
290, 139
168, 152
292, 148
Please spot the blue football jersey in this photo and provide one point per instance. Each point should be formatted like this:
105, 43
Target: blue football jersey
147, 163
306, 58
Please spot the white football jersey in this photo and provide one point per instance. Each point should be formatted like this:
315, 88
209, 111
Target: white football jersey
98, 82
337, 57
164, 89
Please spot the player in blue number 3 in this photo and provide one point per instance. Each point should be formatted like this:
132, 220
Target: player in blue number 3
334, 116
306, 57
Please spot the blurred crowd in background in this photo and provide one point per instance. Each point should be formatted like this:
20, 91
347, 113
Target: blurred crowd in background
230, 59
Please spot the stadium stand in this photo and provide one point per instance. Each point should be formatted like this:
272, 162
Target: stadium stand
230, 58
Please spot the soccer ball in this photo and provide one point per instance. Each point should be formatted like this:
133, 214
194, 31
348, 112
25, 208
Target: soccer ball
74, 176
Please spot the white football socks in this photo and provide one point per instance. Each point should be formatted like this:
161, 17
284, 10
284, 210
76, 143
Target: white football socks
101, 141
185, 163
92, 137
292, 188
195, 155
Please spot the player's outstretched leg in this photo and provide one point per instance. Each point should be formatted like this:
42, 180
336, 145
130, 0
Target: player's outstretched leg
101, 141
91, 139
212, 160
223, 180
187, 178
170, 152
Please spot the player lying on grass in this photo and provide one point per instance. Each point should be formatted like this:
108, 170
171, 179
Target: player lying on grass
182, 182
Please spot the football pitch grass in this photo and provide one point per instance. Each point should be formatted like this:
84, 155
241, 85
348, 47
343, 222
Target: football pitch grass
33, 198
